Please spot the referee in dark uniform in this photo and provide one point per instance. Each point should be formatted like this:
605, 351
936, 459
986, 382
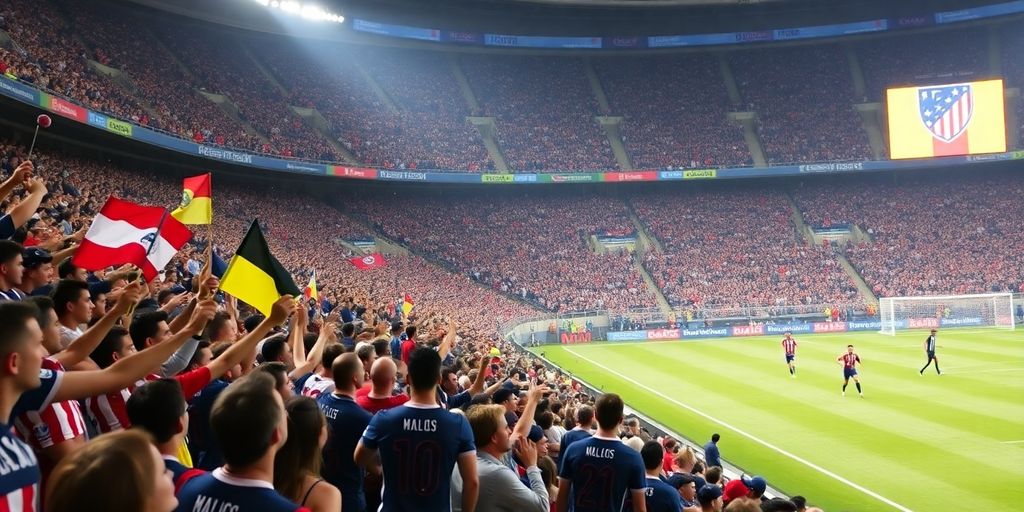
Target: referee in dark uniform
929, 348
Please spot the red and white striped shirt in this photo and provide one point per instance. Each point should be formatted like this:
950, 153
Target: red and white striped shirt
790, 345
111, 412
850, 360
53, 424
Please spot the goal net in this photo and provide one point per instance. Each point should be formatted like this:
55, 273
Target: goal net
982, 310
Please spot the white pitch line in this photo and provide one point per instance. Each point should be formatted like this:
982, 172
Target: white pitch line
986, 371
1012, 442
756, 439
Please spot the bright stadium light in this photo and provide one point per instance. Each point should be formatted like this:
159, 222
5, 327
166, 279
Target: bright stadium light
308, 11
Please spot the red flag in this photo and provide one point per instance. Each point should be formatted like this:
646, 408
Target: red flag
370, 261
123, 232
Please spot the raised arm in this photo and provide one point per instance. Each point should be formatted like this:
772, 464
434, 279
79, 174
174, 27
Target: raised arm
297, 331
84, 384
23, 172
25, 209
328, 334
80, 349
243, 347
533, 397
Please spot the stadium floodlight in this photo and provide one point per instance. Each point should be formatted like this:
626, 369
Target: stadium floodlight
309, 11
979, 310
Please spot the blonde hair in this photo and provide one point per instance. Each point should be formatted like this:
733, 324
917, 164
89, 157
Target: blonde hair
485, 421
685, 458
113, 473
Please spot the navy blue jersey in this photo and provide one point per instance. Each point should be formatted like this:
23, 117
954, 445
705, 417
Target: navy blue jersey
202, 444
660, 497
601, 472
220, 491
19, 468
930, 343
346, 422
419, 446
568, 439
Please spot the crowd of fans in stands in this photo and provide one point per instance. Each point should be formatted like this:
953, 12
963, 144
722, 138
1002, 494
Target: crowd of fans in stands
678, 119
674, 107
729, 249
545, 111
536, 248
804, 112
954, 237
284, 412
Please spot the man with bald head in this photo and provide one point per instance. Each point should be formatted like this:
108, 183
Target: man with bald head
378, 395
346, 422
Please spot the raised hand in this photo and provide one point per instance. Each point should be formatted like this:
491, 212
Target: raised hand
130, 296
202, 315
281, 309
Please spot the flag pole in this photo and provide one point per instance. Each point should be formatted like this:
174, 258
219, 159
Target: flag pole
159, 227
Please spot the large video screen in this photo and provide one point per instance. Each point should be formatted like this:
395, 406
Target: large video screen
946, 120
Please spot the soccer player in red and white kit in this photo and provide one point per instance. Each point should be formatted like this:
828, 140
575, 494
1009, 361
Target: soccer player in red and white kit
849, 362
789, 344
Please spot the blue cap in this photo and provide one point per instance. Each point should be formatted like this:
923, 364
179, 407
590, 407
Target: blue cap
755, 484
536, 433
678, 480
709, 493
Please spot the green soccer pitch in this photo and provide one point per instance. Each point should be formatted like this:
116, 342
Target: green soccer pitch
923, 443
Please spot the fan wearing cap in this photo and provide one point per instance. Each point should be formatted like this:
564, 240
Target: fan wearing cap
686, 486
38, 265
746, 487
710, 498
508, 397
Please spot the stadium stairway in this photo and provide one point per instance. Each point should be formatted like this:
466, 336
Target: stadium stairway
375, 87
485, 125
124, 81
663, 304
313, 119
229, 107
870, 112
862, 286
609, 123
264, 70
744, 119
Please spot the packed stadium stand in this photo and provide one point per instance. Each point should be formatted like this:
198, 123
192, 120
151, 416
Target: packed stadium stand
804, 100
734, 248
536, 248
461, 265
929, 238
688, 96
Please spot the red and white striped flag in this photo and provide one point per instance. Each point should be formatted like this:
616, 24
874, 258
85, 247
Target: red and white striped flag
145, 236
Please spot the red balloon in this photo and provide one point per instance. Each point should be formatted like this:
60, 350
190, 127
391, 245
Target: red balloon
44, 121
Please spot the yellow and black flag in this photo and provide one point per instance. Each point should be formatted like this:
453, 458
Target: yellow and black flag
254, 276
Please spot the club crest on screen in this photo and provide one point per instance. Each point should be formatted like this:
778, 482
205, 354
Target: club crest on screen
946, 110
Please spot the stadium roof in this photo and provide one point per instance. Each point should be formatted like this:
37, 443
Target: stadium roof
575, 17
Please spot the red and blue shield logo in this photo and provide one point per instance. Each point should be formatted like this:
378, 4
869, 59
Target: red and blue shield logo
946, 110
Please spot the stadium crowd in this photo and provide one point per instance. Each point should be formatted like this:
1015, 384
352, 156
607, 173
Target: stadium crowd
545, 112
674, 107
729, 249
688, 96
544, 252
955, 236
279, 411
804, 100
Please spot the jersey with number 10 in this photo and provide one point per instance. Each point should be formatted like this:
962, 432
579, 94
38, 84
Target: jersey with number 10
418, 448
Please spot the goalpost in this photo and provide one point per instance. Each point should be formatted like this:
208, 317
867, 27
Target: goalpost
980, 310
